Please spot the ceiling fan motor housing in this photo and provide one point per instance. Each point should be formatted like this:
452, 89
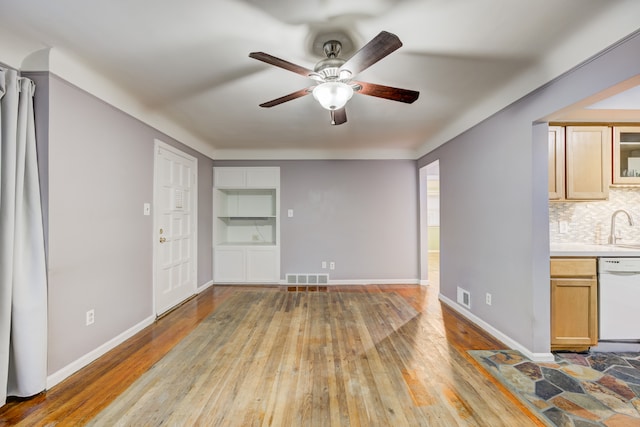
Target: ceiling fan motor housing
329, 68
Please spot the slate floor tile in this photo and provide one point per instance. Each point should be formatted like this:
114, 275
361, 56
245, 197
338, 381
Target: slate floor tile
603, 361
561, 380
518, 380
507, 358
530, 369
582, 373
617, 386
573, 408
558, 417
574, 358
585, 423
546, 390
620, 420
611, 399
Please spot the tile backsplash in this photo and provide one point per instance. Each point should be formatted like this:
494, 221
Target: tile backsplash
590, 222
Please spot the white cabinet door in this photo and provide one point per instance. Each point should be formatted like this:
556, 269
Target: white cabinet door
253, 177
229, 265
266, 177
229, 177
263, 264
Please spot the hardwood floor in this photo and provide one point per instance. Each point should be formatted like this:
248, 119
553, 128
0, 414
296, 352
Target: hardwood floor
424, 358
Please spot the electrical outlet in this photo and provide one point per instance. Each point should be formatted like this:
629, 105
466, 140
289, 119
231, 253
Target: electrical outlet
324, 264
91, 317
564, 227
488, 298
332, 265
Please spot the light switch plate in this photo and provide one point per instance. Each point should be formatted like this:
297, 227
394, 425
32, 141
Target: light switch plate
290, 213
147, 208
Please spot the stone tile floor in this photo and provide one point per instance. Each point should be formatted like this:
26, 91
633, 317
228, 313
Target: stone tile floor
577, 390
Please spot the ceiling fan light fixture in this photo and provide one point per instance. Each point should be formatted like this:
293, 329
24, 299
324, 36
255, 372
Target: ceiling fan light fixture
333, 95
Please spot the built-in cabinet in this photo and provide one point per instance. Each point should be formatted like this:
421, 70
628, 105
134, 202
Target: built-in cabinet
626, 155
579, 162
247, 224
574, 303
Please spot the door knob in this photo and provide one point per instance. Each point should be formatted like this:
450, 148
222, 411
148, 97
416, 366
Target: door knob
162, 240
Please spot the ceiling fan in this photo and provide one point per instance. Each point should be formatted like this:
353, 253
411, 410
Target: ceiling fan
333, 75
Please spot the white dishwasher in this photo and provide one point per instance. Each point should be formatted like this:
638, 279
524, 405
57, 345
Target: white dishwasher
619, 299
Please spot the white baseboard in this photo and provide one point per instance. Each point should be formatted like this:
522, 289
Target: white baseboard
424, 282
375, 282
83, 361
359, 282
204, 287
511, 343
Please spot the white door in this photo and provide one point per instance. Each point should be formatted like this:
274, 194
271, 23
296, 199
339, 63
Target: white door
175, 249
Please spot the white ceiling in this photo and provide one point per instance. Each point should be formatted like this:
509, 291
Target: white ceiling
185, 64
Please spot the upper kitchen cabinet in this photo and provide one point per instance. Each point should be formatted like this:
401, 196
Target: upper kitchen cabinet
626, 155
556, 163
579, 162
588, 162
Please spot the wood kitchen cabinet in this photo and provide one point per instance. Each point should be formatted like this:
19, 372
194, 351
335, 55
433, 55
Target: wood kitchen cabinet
626, 155
556, 163
574, 303
579, 162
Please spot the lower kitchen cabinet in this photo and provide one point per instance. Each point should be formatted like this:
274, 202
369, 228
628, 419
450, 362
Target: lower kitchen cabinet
574, 303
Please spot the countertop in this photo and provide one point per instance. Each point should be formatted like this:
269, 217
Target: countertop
592, 250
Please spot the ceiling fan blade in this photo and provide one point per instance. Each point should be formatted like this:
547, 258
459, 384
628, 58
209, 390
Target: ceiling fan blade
289, 66
297, 94
338, 117
387, 92
379, 47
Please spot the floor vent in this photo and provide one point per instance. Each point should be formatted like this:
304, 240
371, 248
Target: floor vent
307, 279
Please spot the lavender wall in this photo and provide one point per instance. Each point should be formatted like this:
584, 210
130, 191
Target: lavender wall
360, 214
100, 243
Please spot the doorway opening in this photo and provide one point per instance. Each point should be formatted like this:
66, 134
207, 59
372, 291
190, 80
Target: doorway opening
430, 222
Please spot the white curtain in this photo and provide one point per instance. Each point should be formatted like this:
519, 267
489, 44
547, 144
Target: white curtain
23, 285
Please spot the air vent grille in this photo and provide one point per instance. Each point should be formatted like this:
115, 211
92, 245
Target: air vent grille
304, 279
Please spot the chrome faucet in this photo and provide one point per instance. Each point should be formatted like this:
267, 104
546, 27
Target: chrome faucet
612, 236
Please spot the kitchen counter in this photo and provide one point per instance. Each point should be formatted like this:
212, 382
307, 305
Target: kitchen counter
592, 250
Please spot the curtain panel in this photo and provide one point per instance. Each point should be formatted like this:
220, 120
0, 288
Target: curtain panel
23, 283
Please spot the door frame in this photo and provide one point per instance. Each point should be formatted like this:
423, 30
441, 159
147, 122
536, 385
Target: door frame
157, 146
